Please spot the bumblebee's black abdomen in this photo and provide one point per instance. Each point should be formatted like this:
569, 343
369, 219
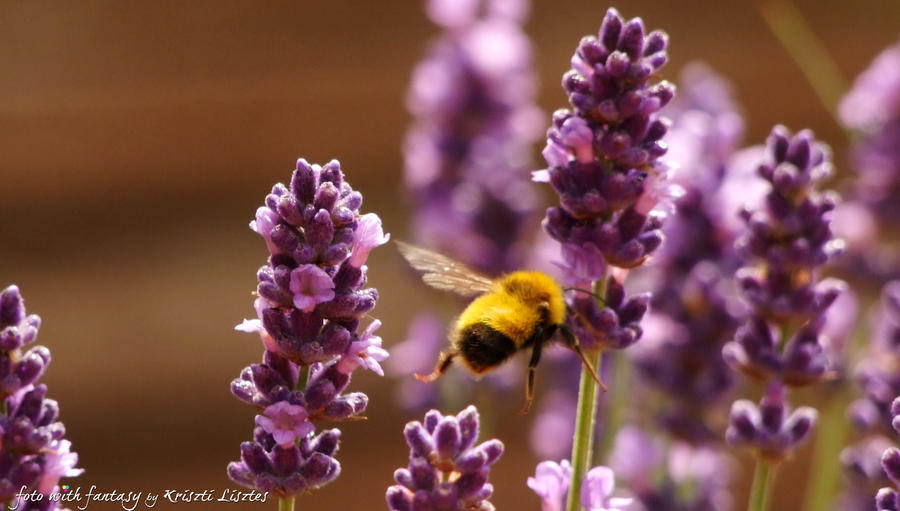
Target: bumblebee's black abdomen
483, 348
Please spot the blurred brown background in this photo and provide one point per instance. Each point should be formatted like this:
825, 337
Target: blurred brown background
137, 139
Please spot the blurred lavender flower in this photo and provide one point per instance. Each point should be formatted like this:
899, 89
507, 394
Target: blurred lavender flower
33, 453
552, 429
861, 464
677, 477
874, 414
770, 430
551, 483
603, 158
468, 152
877, 373
693, 301
787, 239
416, 354
311, 297
872, 110
597, 490
446, 471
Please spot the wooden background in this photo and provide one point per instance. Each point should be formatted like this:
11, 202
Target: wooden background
137, 139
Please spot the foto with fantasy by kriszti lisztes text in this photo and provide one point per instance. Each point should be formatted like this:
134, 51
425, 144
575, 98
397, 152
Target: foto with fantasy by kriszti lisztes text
130, 500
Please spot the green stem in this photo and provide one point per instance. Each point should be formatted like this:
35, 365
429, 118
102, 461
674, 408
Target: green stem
286, 504
823, 482
762, 486
807, 51
583, 444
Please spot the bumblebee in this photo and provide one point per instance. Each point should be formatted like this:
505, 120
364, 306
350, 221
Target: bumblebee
518, 311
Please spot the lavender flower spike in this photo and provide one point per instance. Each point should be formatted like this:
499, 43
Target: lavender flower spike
786, 241
446, 471
603, 156
311, 296
34, 454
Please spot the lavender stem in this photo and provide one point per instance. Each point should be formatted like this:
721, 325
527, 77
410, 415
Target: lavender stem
583, 445
286, 504
585, 415
762, 486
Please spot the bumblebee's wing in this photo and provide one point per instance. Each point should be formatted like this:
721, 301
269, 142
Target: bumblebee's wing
443, 273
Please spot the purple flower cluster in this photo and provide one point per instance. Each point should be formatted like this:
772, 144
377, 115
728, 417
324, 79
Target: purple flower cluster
786, 240
693, 314
312, 295
771, 430
888, 499
33, 453
468, 152
446, 470
603, 156
551, 483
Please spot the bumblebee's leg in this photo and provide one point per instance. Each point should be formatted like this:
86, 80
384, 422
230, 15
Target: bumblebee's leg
443, 363
572, 342
529, 386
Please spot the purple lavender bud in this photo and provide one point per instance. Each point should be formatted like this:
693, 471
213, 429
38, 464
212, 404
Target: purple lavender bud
320, 469
446, 438
887, 500
12, 307
895, 414
419, 440
399, 498
440, 446
890, 462
344, 407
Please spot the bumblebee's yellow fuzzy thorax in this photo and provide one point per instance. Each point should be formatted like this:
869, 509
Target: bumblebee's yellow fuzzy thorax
535, 288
